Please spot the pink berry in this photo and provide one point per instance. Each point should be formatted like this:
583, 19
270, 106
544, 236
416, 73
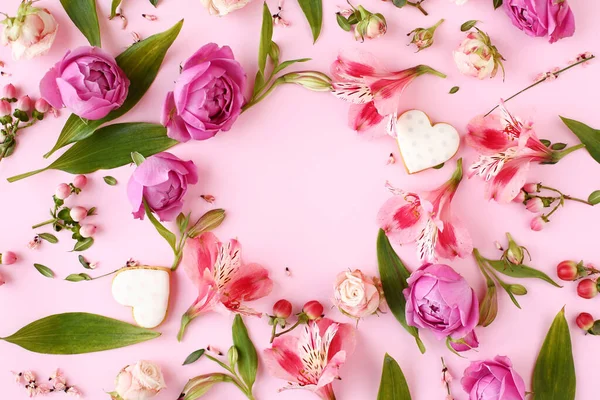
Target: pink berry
80, 181
520, 197
534, 205
24, 104
587, 288
5, 108
313, 310
9, 92
537, 224
585, 321
282, 309
63, 191
2, 281
42, 106
87, 230
531, 187
8, 258
567, 270
78, 214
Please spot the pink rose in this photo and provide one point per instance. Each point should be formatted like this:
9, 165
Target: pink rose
477, 57
207, 97
439, 299
357, 295
493, 380
223, 7
31, 33
87, 81
552, 18
162, 181
140, 381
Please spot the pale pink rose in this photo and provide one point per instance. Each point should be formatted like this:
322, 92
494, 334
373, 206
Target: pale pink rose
357, 295
477, 57
31, 33
223, 7
140, 381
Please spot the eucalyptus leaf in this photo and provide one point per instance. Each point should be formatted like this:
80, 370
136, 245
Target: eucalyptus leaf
454, 89
594, 197
78, 333
313, 10
110, 180
468, 25
160, 228
42, 269
343, 22
85, 17
110, 147
193, 357
84, 262
393, 275
266, 39
83, 244
558, 146
520, 271
113, 8
247, 362
141, 63
48, 237
497, 4
554, 373
78, 277
589, 136
399, 3
393, 384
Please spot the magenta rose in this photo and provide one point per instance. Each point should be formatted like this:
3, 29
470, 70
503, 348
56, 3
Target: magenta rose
87, 81
207, 97
493, 380
552, 18
439, 299
162, 181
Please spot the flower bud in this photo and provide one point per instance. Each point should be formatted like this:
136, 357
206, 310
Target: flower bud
477, 56
423, 38
8, 258
78, 213
568, 270
198, 386
531, 187
534, 205
232, 356
311, 80
313, 310
520, 197
63, 191
9, 93
282, 309
87, 230
517, 290
587, 288
371, 26
585, 321
5, 108
515, 253
24, 104
209, 221
42, 106
537, 224
80, 181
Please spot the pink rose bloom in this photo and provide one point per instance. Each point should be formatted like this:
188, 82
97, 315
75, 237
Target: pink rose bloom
223, 7
87, 81
31, 33
493, 380
439, 299
207, 97
357, 295
140, 381
477, 56
552, 18
162, 181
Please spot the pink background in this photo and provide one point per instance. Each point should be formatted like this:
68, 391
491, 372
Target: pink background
301, 191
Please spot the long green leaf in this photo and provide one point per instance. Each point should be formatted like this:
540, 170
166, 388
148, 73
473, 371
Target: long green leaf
247, 362
313, 10
110, 147
286, 64
393, 384
266, 39
141, 63
78, 333
113, 8
554, 374
160, 228
589, 136
85, 17
393, 275
520, 271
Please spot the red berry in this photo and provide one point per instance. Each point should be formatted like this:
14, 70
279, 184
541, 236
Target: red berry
585, 321
587, 288
313, 310
282, 309
567, 271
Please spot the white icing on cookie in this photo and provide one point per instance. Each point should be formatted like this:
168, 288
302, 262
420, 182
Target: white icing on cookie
424, 146
146, 290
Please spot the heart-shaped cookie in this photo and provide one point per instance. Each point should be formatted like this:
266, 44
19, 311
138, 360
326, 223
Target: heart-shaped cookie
422, 145
146, 290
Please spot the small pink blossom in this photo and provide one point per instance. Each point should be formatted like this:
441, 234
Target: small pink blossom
520, 197
8, 258
24, 104
73, 391
5, 109
88, 230
80, 181
35, 243
63, 191
534, 205
17, 376
78, 213
42, 106
28, 376
531, 187
537, 224
9, 92
357, 295
44, 389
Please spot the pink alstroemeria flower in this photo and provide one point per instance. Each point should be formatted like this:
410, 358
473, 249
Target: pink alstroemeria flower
428, 220
373, 90
224, 283
313, 360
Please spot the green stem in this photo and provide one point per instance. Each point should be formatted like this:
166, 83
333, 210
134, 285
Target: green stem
258, 99
567, 197
418, 6
236, 378
273, 331
557, 156
50, 221
185, 321
105, 275
545, 217
288, 330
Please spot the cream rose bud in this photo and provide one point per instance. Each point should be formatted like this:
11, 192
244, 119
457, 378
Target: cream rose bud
357, 295
477, 56
223, 7
140, 381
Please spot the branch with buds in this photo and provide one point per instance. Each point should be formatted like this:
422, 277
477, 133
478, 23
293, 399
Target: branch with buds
282, 310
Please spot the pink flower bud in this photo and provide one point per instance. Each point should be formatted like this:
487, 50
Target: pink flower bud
587, 288
313, 310
63, 191
87, 230
531, 187
534, 205
537, 224
78, 214
8, 258
24, 104
80, 181
568, 270
42, 106
5, 108
9, 92
585, 321
282, 309
520, 197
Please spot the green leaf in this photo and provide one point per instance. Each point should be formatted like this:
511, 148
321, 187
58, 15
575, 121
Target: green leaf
154, 2
520, 271
393, 384
110, 180
274, 53
48, 237
84, 262
468, 25
91, 211
343, 22
200, 385
113, 8
589, 136
78, 277
313, 10
266, 39
78, 333
182, 222
137, 158
393, 275
546, 142
141, 63
85, 17
210, 220
193, 357
454, 90
439, 166
42, 269
554, 373
497, 4
558, 146
247, 358
83, 244
110, 147
286, 64
160, 228
399, 3
489, 306
594, 197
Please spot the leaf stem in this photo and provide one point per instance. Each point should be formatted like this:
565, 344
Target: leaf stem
561, 154
50, 221
258, 99
287, 330
417, 5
